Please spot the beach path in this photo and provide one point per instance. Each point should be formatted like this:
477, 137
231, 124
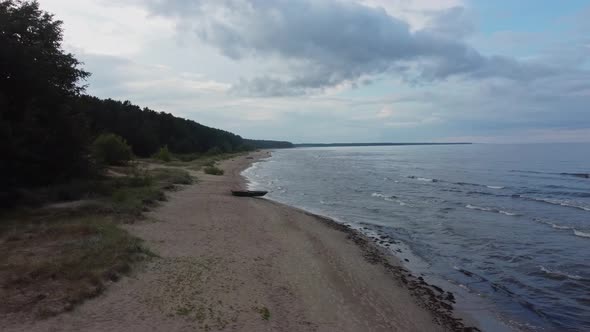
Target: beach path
244, 264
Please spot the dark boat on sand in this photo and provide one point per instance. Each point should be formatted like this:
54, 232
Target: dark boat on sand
249, 193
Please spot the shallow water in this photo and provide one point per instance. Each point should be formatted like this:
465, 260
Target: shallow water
508, 223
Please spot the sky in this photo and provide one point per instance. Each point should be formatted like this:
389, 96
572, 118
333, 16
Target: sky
345, 70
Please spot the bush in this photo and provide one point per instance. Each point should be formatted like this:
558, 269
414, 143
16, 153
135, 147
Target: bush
214, 151
110, 149
213, 170
170, 176
163, 154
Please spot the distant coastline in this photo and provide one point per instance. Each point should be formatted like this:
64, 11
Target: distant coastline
311, 145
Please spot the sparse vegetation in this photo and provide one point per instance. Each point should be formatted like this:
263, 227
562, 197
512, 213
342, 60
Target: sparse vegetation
54, 258
264, 312
110, 149
213, 170
163, 154
52, 261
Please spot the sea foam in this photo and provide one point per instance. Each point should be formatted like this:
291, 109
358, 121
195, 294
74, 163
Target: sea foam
559, 273
581, 234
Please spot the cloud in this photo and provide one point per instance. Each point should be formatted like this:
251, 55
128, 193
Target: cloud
122, 78
338, 70
324, 43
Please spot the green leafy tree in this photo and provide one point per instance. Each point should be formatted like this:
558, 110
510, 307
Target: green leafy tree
41, 138
110, 149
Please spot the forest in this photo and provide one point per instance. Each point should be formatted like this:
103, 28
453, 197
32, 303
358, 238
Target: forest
48, 123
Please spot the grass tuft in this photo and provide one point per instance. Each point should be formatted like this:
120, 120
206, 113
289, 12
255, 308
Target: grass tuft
213, 170
264, 312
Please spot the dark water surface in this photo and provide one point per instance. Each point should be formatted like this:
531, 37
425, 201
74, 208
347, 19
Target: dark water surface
507, 223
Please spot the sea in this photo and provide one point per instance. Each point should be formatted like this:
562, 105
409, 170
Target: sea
505, 226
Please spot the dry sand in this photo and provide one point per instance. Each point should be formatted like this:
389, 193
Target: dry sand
248, 264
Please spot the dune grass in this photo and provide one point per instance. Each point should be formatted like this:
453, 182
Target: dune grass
52, 261
54, 256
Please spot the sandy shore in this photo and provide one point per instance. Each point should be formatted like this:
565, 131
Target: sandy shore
247, 264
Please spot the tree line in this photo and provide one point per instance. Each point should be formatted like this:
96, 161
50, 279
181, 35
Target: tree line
47, 123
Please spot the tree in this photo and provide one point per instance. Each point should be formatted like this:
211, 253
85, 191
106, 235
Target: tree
41, 138
110, 149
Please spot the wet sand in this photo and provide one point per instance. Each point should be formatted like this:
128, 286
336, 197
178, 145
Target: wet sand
249, 264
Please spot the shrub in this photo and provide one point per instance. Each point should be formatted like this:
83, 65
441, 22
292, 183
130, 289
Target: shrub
110, 149
213, 170
163, 154
214, 151
171, 176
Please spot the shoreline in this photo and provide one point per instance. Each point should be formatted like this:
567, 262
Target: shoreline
443, 305
249, 264
435, 299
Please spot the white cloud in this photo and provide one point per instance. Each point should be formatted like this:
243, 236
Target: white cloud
96, 26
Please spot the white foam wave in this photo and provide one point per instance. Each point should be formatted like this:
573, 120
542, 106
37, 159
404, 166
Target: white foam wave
581, 234
559, 273
385, 197
390, 199
495, 187
473, 207
422, 179
425, 179
479, 208
560, 226
507, 213
560, 202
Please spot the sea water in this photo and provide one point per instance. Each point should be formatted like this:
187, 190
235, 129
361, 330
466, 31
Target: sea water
507, 223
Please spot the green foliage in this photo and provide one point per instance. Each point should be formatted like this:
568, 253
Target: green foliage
253, 144
264, 313
46, 124
132, 195
172, 176
214, 151
163, 154
147, 130
213, 170
110, 149
42, 139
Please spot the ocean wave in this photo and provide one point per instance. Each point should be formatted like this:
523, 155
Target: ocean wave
578, 175
559, 273
507, 213
478, 185
419, 178
553, 201
479, 208
473, 207
560, 226
581, 234
556, 226
385, 197
391, 198
422, 179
